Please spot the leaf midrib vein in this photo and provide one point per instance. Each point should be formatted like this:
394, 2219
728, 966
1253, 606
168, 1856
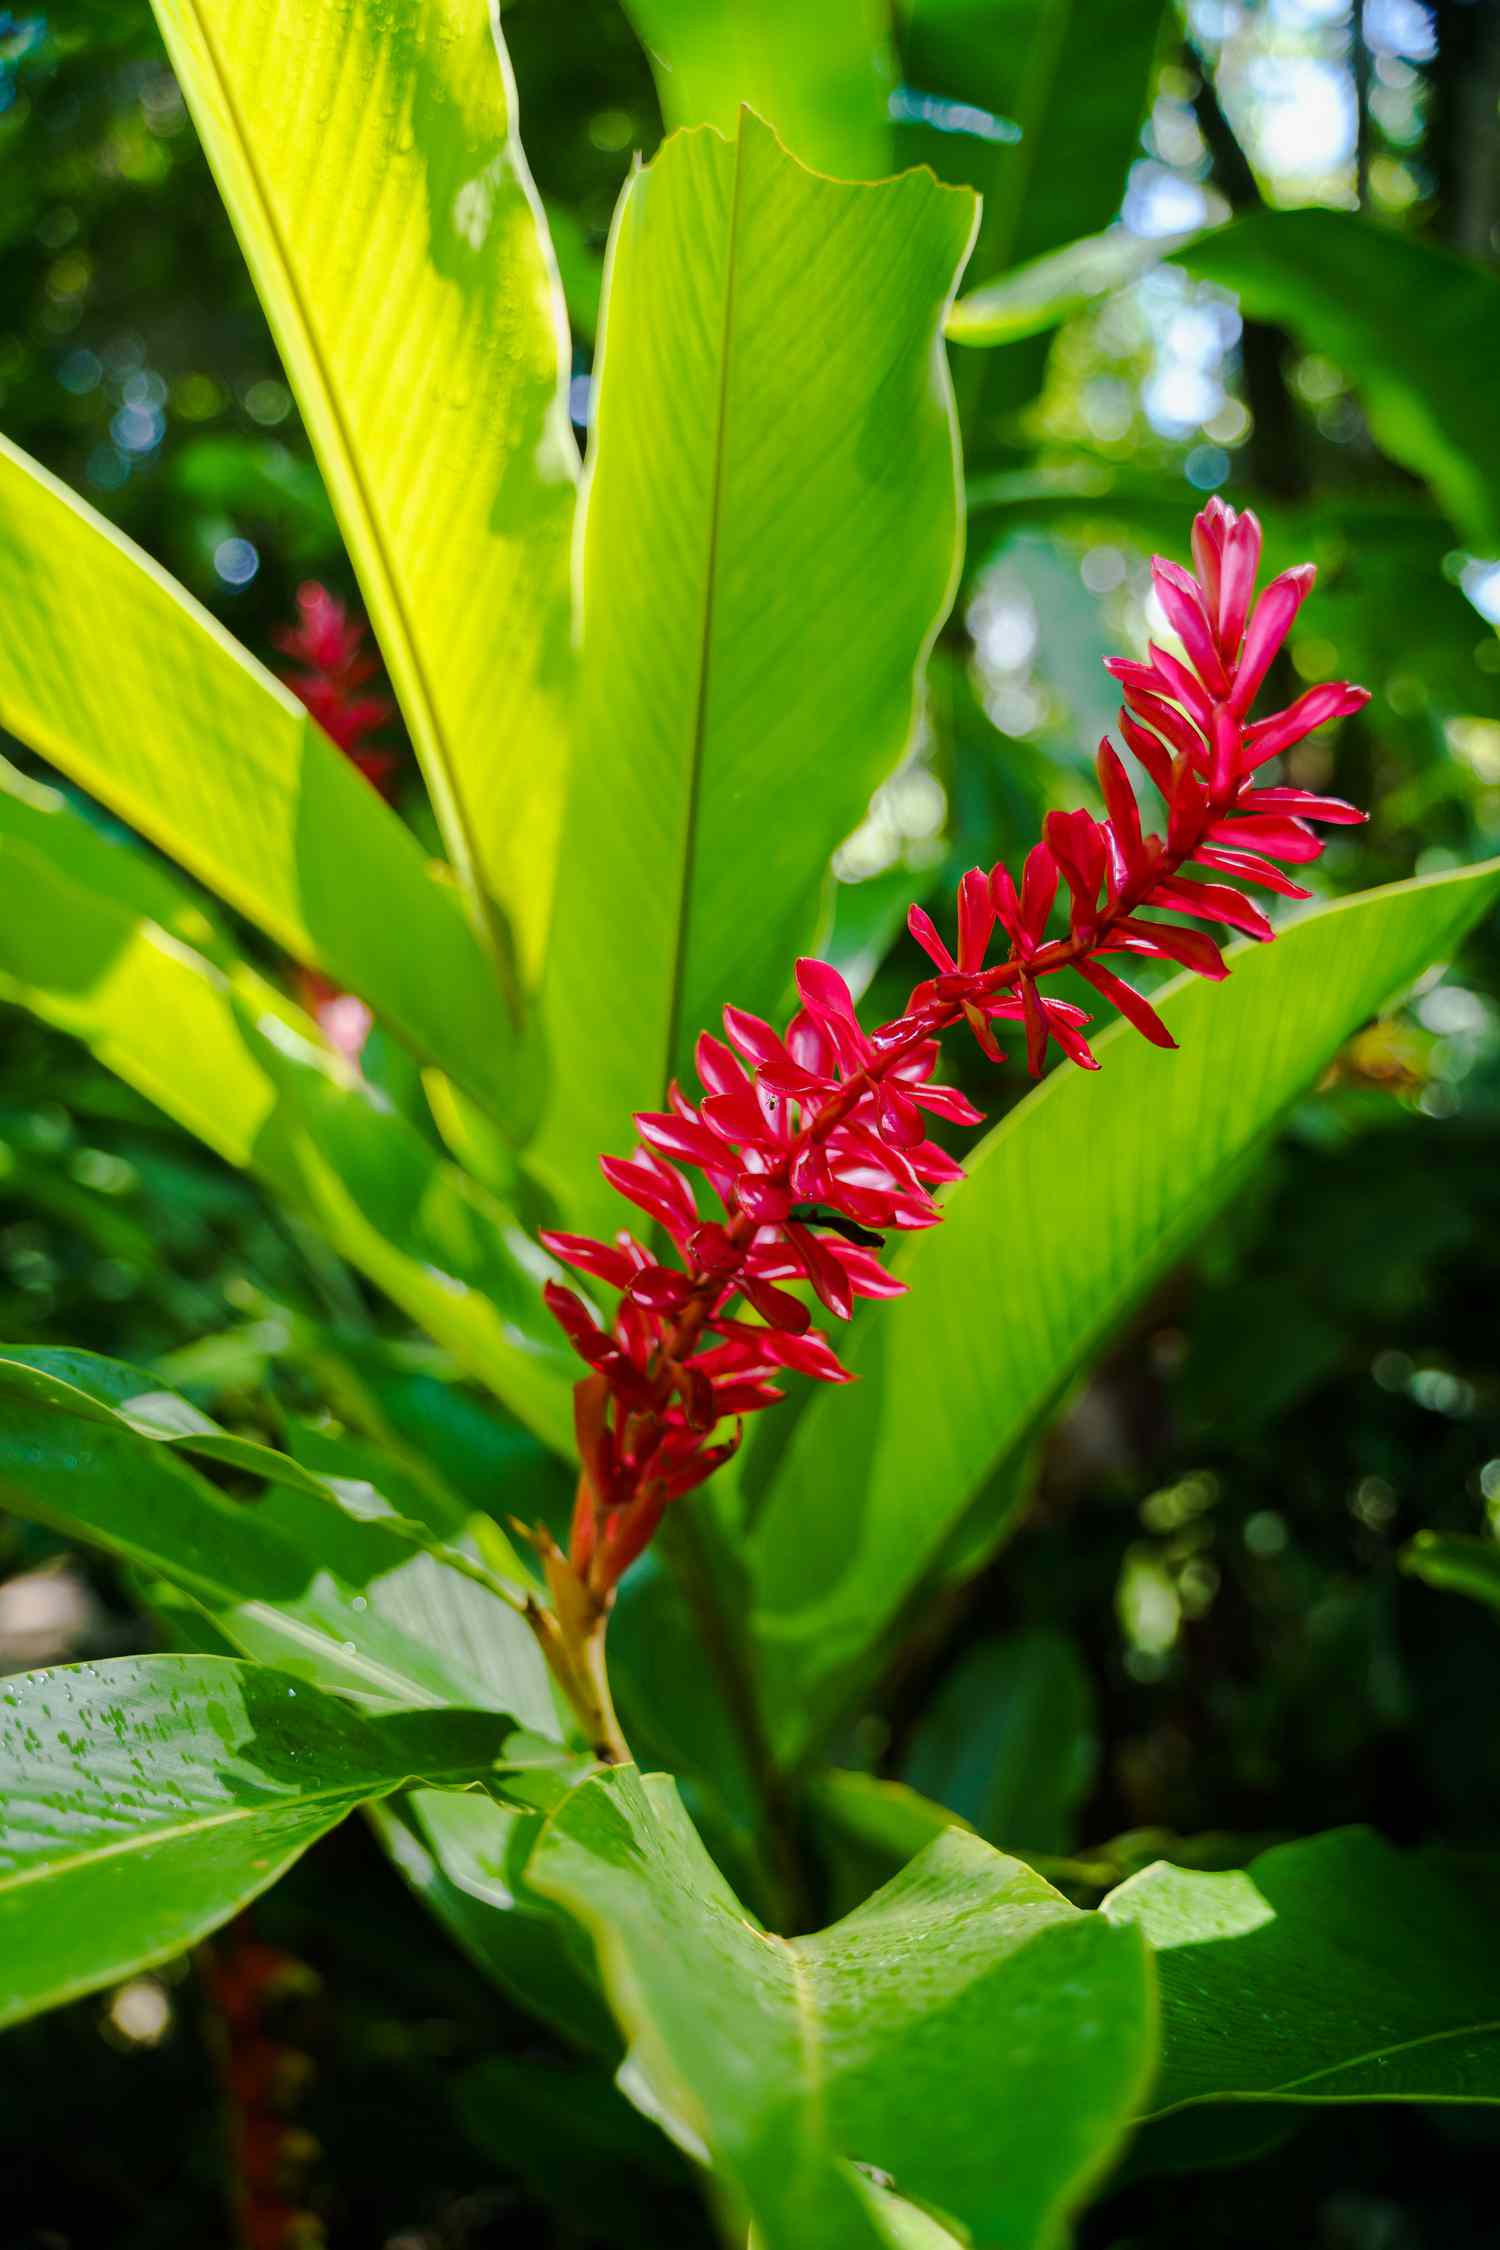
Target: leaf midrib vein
468, 866
153, 1839
1289, 2089
698, 751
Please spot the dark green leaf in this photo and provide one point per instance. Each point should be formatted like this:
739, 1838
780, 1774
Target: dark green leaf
1333, 278
148, 1798
1328, 1971
1082, 1196
1008, 1742
966, 2032
821, 77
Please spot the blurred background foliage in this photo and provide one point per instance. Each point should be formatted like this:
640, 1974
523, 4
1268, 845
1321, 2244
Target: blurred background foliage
1202, 1639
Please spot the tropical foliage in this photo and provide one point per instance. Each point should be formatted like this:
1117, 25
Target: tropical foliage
689, 557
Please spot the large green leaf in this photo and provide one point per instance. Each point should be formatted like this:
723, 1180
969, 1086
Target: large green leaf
371, 166
1332, 278
1084, 1194
759, 592
226, 1055
313, 1578
1008, 1741
148, 1798
186, 737
464, 1857
1329, 1971
966, 2032
310, 1576
821, 76
1059, 76
1065, 75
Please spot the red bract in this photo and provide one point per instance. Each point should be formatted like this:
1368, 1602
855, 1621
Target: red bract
810, 1144
329, 647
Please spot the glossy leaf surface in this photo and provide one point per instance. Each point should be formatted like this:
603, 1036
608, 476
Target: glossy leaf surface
1086, 1192
224, 1054
965, 2031
191, 741
1332, 1970
148, 1798
371, 165
738, 702
821, 76
304, 1577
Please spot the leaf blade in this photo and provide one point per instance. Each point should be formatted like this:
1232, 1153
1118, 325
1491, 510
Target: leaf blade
1335, 1969
344, 1601
374, 175
892, 2038
822, 78
224, 1054
149, 1798
186, 737
1072, 1205
716, 641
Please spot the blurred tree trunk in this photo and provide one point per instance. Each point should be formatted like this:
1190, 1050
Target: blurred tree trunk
1276, 448
1463, 139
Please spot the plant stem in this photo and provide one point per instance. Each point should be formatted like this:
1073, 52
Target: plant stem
686, 1543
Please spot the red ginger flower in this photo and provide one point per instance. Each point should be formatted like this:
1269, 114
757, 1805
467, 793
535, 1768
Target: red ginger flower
329, 646
810, 1141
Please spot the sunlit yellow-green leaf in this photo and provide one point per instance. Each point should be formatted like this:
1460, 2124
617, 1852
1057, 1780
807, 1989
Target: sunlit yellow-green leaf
120, 679
226, 1055
370, 161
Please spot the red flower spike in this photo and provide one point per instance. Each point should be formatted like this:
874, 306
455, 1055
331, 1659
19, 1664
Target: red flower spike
922, 927
1172, 725
1038, 890
602, 1259
1182, 686
1156, 760
814, 1139
976, 919
1333, 700
1269, 627
1130, 1003
1302, 801
329, 646
1239, 563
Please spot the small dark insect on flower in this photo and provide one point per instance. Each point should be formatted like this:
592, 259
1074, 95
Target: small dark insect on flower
814, 1215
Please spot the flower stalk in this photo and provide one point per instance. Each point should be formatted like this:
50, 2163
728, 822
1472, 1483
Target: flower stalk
814, 1142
